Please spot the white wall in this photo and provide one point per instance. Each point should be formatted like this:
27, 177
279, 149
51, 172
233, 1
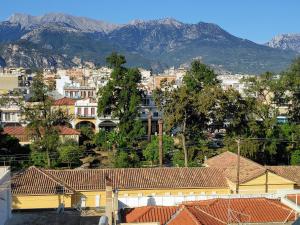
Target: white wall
5, 195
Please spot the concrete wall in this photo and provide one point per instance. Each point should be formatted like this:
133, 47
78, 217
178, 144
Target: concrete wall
5, 195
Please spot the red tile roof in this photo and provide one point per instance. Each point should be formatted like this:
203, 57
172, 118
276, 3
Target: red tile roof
217, 212
228, 161
64, 101
35, 181
159, 214
138, 178
252, 210
289, 172
67, 131
14, 130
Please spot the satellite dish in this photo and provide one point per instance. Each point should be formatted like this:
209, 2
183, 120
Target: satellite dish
103, 220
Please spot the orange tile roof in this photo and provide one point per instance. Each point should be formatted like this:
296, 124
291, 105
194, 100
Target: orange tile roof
139, 178
217, 212
289, 172
64, 101
63, 130
14, 130
36, 181
228, 161
159, 214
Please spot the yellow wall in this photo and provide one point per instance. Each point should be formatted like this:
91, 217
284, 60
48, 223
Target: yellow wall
70, 109
40, 201
258, 185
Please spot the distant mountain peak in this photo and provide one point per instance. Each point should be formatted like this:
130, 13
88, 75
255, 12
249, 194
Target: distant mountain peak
285, 41
81, 23
163, 21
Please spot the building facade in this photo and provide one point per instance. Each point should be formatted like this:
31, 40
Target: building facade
5, 194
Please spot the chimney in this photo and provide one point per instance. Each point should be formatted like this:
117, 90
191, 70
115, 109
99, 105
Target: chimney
109, 200
149, 126
160, 142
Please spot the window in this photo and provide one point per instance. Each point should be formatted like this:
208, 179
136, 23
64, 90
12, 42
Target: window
83, 201
93, 111
97, 201
86, 111
7, 116
79, 111
167, 194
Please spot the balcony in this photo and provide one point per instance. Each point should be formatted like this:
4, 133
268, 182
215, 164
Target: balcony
85, 116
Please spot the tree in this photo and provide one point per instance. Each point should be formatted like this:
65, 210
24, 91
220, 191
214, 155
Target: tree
295, 159
126, 159
70, 153
42, 119
264, 93
121, 98
180, 105
151, 151
291, 83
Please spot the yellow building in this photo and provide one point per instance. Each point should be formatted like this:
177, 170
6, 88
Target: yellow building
41, 188
65, 104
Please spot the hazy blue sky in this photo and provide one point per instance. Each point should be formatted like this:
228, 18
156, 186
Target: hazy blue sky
257, 20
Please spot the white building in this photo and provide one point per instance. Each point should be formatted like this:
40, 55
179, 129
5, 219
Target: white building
61, 83
10, 114
233, 81
5, 194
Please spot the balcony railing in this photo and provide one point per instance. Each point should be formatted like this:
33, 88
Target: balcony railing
86, 116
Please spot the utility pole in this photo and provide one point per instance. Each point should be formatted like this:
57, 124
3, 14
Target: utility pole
149, 126
160, 142
238, 141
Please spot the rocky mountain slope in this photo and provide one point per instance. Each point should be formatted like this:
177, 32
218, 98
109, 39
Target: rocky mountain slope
61, 40
286, 41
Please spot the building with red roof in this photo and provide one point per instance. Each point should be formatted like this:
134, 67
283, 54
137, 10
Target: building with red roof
215, 212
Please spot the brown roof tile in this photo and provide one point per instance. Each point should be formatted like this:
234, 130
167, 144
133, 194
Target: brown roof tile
228, 161
289, 172
35, 181
14, 130
137, 178
64, 101
63, 130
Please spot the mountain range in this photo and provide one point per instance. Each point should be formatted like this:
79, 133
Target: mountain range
61, 40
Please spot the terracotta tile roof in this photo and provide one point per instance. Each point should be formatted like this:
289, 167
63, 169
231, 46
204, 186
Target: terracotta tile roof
34, 181
185, 216
217, 212
139, 178
251, 210
63, 130
228, 161
64, 101
14, 130
289, 172
143, 178
159, 214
